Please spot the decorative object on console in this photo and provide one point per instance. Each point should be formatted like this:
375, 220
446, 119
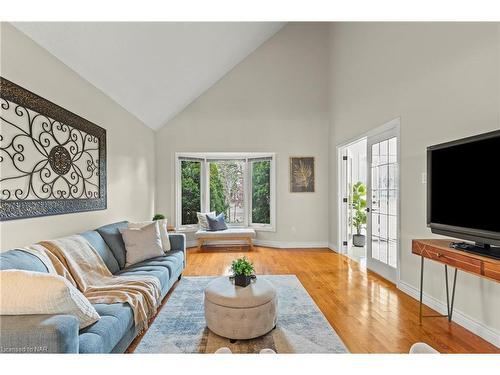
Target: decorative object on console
217, 223
302, 174
358, 217
243, 272
53, 161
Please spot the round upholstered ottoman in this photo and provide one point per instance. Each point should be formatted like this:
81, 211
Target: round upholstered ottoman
240, 313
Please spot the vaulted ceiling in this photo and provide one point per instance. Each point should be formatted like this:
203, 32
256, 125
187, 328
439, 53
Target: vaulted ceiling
152, 69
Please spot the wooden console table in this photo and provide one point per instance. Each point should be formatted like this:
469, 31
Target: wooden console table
440, 251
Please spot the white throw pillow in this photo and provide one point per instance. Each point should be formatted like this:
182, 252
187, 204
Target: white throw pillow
27, 293
141, 243
202, 219
162, 226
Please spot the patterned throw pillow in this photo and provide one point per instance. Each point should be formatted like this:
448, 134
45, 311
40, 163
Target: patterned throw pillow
202, 219
30, 293
217, 223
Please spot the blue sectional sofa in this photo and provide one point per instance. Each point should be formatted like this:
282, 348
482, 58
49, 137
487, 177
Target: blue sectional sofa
114, 332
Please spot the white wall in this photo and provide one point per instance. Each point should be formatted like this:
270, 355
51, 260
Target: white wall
130, 144
443, 80
274, 101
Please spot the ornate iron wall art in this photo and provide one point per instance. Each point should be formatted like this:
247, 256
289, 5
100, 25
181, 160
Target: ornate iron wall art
52, 161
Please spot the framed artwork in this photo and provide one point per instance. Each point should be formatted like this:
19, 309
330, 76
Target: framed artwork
52, 161
302, 174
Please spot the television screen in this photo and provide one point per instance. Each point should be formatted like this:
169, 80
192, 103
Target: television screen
464, 183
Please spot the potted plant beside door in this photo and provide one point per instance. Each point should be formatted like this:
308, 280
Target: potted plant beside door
358, 216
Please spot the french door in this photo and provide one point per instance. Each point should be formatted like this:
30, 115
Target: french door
383, 204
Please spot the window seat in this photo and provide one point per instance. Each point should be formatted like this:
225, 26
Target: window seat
230, 234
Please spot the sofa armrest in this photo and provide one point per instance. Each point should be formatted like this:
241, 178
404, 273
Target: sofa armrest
178, 242
38, 334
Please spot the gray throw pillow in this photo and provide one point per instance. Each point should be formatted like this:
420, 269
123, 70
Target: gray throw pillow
217, 223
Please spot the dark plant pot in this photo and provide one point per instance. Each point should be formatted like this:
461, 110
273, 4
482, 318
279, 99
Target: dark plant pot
359, 240
242, 280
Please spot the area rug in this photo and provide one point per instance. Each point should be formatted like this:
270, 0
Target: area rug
180, 325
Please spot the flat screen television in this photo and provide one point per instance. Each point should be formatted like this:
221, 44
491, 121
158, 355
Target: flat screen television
463, 192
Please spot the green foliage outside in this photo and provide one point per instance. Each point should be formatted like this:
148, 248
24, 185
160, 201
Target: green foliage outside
242, 266
190, 181
358, 219
218, 202
261, 192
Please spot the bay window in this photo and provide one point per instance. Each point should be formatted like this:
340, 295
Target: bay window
242, 186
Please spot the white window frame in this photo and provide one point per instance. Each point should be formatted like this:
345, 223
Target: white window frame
204, 158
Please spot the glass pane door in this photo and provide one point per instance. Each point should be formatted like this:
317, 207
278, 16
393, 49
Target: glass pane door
383, 193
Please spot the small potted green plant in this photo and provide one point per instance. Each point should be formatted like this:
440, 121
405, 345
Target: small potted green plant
158, 217
243, 271
358, 216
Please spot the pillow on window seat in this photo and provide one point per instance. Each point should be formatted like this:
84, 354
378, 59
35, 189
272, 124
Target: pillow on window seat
202, 219
142, 243
217, 223
32, 293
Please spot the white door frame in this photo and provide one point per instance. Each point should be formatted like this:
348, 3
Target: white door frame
394, 124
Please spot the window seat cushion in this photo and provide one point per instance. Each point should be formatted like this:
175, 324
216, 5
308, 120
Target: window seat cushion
230, 232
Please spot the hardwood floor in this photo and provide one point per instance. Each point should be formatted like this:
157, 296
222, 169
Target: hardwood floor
369, 313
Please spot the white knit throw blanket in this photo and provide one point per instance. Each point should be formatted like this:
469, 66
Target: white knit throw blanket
75, 259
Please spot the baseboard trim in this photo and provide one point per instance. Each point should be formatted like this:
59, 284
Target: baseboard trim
192, 243
291, 245
267, 243
333, 247
489, 334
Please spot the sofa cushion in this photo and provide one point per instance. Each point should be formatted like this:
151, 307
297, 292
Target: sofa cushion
104, 335
172, 261
21, 260
161, 273
102, 248
113, 237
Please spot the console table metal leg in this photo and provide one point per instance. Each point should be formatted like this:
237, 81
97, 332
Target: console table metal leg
447, 291
453, 295
421, 288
